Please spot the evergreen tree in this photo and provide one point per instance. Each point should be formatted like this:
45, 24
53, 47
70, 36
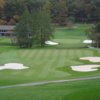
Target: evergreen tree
35, 27
42, 26
45, 23
24, 31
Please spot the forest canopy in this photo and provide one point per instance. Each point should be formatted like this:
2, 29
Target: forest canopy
62, 11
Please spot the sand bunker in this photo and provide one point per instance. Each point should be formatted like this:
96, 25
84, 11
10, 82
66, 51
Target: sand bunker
85, 68
51, 43
13, 66
91, 59
87, 41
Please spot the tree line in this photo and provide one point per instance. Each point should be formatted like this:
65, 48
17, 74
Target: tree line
62, 11
34, 26
34, 19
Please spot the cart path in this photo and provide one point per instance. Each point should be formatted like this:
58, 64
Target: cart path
50, 82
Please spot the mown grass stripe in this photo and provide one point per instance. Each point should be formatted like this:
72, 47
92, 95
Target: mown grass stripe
48, 66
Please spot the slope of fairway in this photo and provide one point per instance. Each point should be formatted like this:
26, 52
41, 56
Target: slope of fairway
50, 62
77, 32
71, 38
44, 64
78, 90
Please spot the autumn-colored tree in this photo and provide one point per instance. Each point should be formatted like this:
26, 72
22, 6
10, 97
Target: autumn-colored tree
2, 4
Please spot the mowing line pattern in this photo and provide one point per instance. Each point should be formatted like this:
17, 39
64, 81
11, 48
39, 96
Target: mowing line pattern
44, 64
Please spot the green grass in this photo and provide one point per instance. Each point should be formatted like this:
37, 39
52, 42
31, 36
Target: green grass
44, 64
50, 63
78, 32
79, 90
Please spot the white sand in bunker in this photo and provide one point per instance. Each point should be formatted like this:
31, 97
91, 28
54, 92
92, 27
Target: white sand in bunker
85, 68
13, 66
51, 43
91, 59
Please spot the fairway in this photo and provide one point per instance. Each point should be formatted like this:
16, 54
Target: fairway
49, 49
48, 64
79, 90
44, 64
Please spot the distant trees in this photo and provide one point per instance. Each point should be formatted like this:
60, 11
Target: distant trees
94, 34
2, 2
12, 8
61, 10
2, 5
84, 10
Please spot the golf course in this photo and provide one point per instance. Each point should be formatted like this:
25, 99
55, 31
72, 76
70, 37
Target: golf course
50, 63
